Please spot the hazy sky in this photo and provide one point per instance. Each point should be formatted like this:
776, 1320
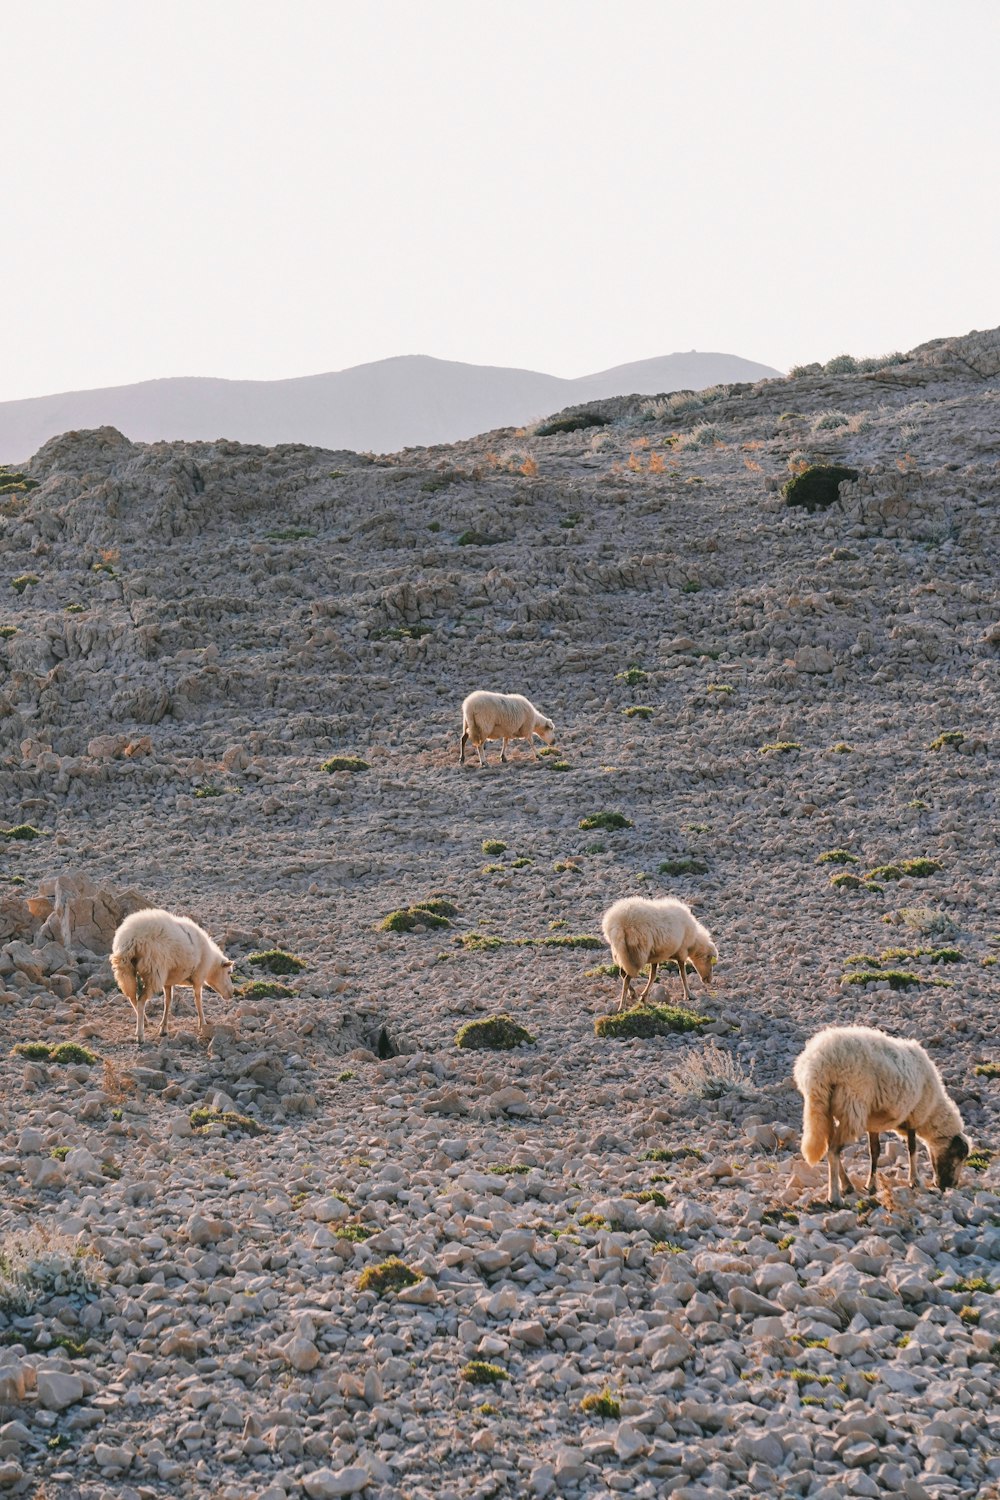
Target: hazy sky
252, 189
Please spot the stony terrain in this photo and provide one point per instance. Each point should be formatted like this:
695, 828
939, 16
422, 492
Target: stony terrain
197, 629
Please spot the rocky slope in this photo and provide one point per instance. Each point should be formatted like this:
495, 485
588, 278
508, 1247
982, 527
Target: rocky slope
191, 632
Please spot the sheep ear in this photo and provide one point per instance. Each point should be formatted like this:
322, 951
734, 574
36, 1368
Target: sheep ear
960, 1147
230, 963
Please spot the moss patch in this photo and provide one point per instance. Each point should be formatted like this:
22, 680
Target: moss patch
607, 820
837, 857
203, 1118
685, 866
649, 1020
493, 1034
345, 763
264, 989
22, 831
779, 747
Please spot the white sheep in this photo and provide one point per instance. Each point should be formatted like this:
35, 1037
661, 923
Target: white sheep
154, 950
502, 716
855, 1079
641, 932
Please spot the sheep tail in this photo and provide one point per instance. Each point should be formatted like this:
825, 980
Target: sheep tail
126, 974
816, 1122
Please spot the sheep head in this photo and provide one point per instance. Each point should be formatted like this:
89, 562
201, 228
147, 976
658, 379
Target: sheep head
948, 1158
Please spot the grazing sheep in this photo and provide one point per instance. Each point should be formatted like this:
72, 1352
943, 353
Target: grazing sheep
154, 950
641, 932
502, 716
855, 1079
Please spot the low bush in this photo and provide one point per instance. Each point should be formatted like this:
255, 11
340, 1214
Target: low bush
579, 422
606, 820
389, 1276
818, 486
493, 1034
204, 1118
345, 763
481, 1372
687, 865
277, 961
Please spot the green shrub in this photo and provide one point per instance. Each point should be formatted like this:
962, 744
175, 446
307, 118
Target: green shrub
21, 582
264, 989
438, 906
846, 882
606, 820
475, 538
649, 1195
595, 848
602, 1404
493, 1034
277, 961
837, 857
647, 1021
566, 867
391, 1275
826, 421
638, 711
577, 423
841, 364
6, 631
841, 748
203, 1118
64, 1053
779, 747
720, 687
988, 1070
817, 487
481, 1372
32, 1051
412, 917
578, 940
21, 831
603, 971
345, 763
519, 864
493, 846
356, 1233
920, 869
479, 942
979, 1160
632, 676
15, 482
885, 872
685, 866
949, 739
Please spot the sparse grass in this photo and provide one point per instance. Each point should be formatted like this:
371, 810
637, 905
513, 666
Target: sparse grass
837, 857
687, 865
978, 1161
725, 688
345, 763
649, 1195
817, 486
63, 1053
481, 1372
905, 955
566, 867
509, 1169
638, 711
603, 971
59, 1153
597, 848
967, 1285
7, 631
605, 820
493, 846
277, 961
22, 832
346, 1076
521, 863
558, 765
632, 676
389, 1276
786, 1242
602, 1404
845, 881
841, 748
710, 1073
779, 747
494, 1034
677, 1153
264, 989
208, 791
949, 739
826, 421
648, 1021
925, 920
73, 609
23, 581
493, 869
206, 1116
37, 1264
969, 1314
569, 940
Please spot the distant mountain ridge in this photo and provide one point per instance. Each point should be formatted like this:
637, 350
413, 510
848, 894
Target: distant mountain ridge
412, 400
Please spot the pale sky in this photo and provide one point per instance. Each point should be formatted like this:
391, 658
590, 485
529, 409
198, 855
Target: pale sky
256, 190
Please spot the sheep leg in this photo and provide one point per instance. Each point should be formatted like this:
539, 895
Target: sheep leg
626, 990
465, 737
139, 1006
168, 995
911, 1143
873, 1151
198, 1005
503, 753
834, 1172
652, 976
682, 964
481, 747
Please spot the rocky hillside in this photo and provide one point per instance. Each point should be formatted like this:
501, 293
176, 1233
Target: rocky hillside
232, 686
